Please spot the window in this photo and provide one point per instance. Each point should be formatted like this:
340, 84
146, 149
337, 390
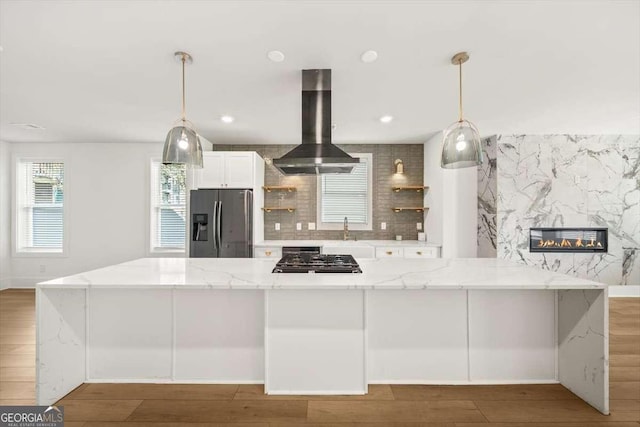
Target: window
39, 223
168, 207
346, 195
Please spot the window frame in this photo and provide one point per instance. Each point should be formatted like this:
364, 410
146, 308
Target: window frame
16, 250
155, 163
339, 226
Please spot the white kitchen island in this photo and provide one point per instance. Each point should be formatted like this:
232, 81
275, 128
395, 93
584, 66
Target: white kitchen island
402, 321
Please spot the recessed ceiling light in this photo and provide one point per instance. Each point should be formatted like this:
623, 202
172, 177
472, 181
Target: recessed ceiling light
27, 125
369, 56
386, 119
227, 119
275, 56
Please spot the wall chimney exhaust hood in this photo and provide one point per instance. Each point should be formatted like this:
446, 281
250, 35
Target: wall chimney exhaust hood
316, 155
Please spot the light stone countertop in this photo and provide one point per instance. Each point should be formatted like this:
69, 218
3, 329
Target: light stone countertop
321, 243
255, 273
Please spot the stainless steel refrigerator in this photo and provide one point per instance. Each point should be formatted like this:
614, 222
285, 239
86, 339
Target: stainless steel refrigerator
221, 224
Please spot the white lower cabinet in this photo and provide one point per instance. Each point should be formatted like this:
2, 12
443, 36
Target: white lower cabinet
355, 251
389, 252
267, 252
421, 252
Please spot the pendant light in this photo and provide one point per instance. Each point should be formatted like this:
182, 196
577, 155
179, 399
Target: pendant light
461, 146
183, 144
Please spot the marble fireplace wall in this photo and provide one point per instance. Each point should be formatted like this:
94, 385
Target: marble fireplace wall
487, 200
571, 181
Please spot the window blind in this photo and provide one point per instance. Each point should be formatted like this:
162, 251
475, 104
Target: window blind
40, 192
346, 195
169, 206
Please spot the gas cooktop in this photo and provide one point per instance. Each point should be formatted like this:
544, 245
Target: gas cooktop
316, 263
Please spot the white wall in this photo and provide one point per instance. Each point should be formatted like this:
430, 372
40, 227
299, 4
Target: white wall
453, 204
433, 196
5, 218
107, 202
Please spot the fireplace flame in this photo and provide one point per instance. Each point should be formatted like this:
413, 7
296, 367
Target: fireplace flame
564, 243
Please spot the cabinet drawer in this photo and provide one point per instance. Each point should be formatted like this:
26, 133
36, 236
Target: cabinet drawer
421, 252
382, 252
264, 252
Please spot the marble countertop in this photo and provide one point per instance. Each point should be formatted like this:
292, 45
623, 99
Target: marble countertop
255, 273
374, 243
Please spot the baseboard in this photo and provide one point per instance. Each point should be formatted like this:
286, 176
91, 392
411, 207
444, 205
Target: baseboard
316, 392
168, 381
462, 382
624, 291
21, 282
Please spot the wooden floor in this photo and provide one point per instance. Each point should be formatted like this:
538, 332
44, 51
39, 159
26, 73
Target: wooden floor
246, 405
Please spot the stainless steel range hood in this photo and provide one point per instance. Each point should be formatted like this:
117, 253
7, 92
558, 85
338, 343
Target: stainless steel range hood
316, 155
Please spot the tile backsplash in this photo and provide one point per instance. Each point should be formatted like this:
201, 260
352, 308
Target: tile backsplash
304, 199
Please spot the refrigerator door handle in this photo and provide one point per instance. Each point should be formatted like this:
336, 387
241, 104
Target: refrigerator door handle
213, 228
246, 216
218, 226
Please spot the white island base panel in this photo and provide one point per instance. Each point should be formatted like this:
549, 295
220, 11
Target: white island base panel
316, 341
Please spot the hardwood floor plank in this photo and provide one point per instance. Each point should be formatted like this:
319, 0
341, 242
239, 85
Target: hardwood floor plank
154, 391
551, 424
624, 360
8, 324
374, 424
17, 374
17, 402
17, 390
256, 392
624, 405
624, 390
624, 348
98, 410
154, 424
407, 411
220, 411
18, 339
548, 411
624, 373
17, 331
19, 349
483, 392
17, 360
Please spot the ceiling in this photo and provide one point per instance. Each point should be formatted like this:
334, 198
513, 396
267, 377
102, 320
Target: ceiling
104, 71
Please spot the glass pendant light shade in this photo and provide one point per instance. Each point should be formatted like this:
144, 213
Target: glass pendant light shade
461, 147
182, 146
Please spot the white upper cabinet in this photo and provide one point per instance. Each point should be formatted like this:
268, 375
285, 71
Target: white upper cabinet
227, 169
212, 173
238, 169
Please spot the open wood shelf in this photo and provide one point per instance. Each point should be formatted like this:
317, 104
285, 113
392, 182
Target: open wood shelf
417, 209
278, 209
270, 188
418, 188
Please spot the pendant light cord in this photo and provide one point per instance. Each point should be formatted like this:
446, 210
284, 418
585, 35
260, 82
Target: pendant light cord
184, 113
460, 92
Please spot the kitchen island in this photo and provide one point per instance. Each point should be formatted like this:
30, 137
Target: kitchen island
402, 321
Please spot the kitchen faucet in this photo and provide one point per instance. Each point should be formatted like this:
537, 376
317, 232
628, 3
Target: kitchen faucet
345, 235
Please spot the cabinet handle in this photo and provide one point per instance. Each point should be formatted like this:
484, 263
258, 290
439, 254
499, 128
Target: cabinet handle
389, 252
419, 252
267, 253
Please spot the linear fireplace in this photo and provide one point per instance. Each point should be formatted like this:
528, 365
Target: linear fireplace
568, 240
